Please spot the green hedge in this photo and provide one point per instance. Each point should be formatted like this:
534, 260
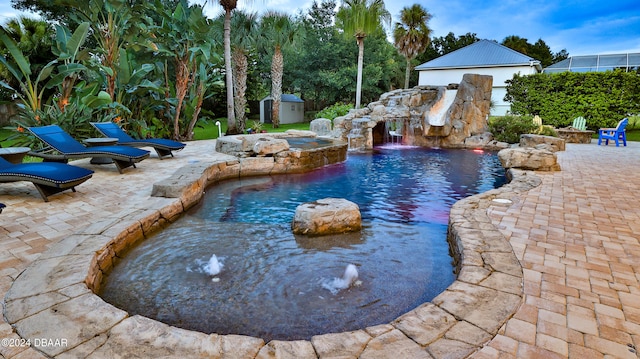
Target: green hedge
603, 98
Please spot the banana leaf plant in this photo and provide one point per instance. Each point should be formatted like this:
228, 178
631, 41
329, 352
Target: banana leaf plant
67, 47
30, 89
87, 103
205, 78
184, 37
113, 27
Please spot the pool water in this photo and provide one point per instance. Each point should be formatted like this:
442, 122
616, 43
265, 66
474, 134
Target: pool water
275, 285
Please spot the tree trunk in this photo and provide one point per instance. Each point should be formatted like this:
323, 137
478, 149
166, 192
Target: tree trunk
360, 41
240, 87
232, 128
407, 73
182, 84
277, 67
196, 112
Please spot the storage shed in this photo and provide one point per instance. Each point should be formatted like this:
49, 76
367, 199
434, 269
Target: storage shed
291, 109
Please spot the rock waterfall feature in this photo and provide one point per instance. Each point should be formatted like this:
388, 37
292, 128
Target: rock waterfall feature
454, 116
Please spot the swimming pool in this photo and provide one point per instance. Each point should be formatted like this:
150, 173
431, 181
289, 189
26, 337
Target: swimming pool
275, 285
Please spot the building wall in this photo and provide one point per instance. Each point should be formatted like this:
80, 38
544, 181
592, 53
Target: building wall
443, 77
290, 112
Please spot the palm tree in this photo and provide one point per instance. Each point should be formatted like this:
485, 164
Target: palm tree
411, 35
243, 42
279, 30
33, 38
359, 18
229, 6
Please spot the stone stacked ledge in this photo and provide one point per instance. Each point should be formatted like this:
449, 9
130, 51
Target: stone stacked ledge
54, 297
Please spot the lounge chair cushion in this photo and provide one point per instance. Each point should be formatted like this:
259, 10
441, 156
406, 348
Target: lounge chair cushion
56, 174
58, 139
48, 177
162, 146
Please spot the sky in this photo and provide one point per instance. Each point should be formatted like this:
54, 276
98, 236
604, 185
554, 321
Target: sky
582, 27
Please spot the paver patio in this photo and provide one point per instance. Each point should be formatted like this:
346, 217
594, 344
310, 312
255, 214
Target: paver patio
576, 236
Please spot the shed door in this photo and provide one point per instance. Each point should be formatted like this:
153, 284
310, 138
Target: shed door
268, 111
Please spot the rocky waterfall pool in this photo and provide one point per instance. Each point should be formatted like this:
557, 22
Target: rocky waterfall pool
274, 285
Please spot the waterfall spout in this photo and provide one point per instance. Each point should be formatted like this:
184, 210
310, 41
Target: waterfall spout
355, 138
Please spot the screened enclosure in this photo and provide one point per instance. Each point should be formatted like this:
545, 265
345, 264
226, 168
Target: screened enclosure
589, 63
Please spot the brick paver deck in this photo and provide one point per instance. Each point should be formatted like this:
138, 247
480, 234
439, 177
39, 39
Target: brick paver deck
576, 237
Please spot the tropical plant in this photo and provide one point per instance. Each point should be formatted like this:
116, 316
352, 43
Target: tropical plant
185, 37
205, 78
67, 49
255, 127
141, 94
34, 38
279, 31
114, 25
86, 104
30, 91
411, 35
358, 18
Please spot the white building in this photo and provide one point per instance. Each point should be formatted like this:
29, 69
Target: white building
484, 57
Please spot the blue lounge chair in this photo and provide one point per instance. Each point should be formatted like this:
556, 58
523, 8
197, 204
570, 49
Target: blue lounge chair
2, 207
615, 134
48, 177
162, 146
57, 139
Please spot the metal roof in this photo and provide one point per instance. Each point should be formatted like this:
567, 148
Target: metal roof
483, 53
285, 97
290, 98
627, 62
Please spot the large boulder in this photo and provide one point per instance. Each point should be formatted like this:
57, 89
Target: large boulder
539, 141
321, 126
327, 216
269, 146
528, 158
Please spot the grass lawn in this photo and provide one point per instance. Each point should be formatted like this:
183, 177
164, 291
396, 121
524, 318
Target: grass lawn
208, 130
633, 135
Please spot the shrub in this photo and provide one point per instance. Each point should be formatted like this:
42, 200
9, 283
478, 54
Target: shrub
509, 128
634, 123
603, 98
336, 110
